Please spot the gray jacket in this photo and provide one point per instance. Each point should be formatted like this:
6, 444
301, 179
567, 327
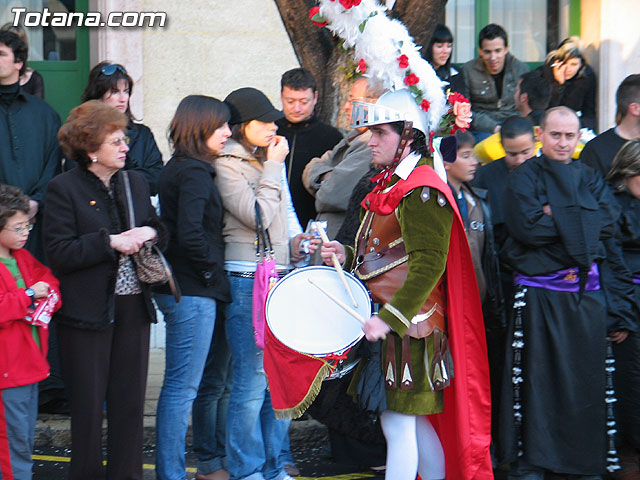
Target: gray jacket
347, 162
489, 110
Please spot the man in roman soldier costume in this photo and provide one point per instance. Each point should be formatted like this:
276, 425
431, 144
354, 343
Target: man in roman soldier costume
412, 253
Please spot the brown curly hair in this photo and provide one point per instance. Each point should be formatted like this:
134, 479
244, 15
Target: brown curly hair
12, 201
86, 128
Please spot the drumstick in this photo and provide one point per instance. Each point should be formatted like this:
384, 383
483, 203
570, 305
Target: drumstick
339, 302
336, 263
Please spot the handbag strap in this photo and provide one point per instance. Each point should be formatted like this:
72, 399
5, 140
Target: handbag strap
259, 236
262, 235
173, 283
127, 191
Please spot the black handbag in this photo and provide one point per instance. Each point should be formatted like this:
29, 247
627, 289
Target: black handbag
152, 267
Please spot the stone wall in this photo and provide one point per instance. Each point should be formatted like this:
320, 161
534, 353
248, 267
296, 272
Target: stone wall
610, 28
207, 47
211, 48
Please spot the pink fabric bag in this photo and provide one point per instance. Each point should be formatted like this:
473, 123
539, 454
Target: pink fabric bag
265, 278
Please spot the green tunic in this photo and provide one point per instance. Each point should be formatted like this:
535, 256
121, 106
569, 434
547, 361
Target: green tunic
426, 230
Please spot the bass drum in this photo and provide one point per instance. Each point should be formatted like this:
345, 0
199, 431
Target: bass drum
304, 319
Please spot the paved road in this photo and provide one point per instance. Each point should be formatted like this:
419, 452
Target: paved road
314, 463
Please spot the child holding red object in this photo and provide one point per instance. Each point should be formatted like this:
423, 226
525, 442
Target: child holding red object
29, 294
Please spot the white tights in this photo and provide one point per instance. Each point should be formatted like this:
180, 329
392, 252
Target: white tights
413, 447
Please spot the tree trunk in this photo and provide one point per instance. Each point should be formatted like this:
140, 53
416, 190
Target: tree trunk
317, 50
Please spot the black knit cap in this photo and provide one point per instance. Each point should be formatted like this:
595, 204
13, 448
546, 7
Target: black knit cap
248, 104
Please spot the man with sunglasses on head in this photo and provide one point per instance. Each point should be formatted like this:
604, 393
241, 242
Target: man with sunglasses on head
29, 150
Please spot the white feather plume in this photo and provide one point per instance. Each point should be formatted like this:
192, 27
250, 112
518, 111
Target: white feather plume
380, 44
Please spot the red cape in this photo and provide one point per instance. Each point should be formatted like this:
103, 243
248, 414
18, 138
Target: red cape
464, 427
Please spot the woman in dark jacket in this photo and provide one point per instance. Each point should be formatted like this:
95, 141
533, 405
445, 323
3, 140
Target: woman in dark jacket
624, 178
192, 210
110, 83
572, 81
438, 53
103, 327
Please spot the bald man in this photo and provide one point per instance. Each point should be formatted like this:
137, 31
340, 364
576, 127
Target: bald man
559, 216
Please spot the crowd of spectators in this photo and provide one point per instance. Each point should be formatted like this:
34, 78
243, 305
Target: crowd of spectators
539, 207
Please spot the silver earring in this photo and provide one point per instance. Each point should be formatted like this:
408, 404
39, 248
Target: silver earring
94, 159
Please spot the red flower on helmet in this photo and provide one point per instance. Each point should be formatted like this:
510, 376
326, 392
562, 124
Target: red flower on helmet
317, 19
362, 66
349, 3
403, 61
411, 79
424, 105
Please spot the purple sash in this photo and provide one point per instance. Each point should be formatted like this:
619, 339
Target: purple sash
566, 280
636, 279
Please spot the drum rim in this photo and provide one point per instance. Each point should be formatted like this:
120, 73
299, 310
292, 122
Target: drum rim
323, 268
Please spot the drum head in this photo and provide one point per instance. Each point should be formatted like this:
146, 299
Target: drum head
303, 318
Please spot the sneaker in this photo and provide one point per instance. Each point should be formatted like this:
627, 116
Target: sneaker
292, 470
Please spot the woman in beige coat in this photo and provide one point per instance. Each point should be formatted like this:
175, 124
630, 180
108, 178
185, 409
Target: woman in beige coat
250, 170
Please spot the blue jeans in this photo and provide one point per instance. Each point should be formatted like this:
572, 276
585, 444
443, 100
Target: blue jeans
254, 436
190, 325
285, 456
209, 416
19, 407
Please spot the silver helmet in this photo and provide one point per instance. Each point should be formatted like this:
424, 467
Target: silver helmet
392, 106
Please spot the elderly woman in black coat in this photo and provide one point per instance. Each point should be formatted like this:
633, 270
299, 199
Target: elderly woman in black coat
103, 326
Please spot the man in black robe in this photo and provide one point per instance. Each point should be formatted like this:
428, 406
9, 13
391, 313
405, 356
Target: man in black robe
559, 215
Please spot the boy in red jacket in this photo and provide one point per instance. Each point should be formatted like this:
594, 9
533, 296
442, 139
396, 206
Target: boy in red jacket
29, 293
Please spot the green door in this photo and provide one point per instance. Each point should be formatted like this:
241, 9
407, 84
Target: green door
59, 54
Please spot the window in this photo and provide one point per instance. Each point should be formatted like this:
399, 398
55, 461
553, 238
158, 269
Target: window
45, 43
533, 27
